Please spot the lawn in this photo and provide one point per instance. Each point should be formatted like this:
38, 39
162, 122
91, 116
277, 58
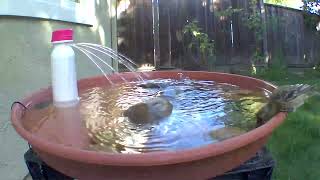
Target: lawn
296, 144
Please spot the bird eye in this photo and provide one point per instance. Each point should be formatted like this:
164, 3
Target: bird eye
291, 95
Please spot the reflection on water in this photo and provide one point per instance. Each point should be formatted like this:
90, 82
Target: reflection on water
204, 112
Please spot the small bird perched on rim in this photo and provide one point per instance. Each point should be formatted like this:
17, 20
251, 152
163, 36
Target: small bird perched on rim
285, 99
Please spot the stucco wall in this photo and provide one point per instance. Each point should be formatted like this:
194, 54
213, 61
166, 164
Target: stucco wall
25, 67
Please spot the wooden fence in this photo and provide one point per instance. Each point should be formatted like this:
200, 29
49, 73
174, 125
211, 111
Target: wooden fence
287, 35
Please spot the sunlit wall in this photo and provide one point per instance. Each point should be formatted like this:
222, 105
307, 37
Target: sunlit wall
25, 67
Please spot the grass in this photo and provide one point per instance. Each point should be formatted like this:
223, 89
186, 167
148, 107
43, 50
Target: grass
296, 144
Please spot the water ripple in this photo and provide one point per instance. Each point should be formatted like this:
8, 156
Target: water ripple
199, 108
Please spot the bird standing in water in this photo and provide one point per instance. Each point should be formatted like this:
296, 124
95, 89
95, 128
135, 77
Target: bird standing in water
149, 111
155, 108
285, 99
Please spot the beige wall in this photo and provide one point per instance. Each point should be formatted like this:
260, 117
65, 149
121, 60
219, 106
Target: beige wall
25, 67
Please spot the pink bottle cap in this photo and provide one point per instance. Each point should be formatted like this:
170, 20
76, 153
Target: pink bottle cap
62, 35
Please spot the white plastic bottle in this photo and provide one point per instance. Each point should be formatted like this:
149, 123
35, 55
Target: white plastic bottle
63, 69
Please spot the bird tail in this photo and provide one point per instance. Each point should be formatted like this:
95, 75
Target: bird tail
301, 92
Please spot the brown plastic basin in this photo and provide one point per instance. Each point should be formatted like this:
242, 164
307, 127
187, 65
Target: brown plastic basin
192, 164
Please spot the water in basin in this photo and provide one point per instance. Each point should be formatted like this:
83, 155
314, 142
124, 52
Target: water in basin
204, 112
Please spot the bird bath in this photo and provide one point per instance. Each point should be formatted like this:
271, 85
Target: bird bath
201, 162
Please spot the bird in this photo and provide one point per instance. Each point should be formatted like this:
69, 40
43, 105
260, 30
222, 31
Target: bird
287, 98
157, 107
149, 111
150, 85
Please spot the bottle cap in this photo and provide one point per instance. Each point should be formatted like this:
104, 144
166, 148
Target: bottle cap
62, 35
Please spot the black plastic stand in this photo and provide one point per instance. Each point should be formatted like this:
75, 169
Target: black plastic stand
259, 167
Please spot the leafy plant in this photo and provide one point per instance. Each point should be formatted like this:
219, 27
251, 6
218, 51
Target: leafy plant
311, 13
277, 70
258, 55
317, 67
277, 2
253, 20
311, 6
225, 15
227, 12
198, 41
